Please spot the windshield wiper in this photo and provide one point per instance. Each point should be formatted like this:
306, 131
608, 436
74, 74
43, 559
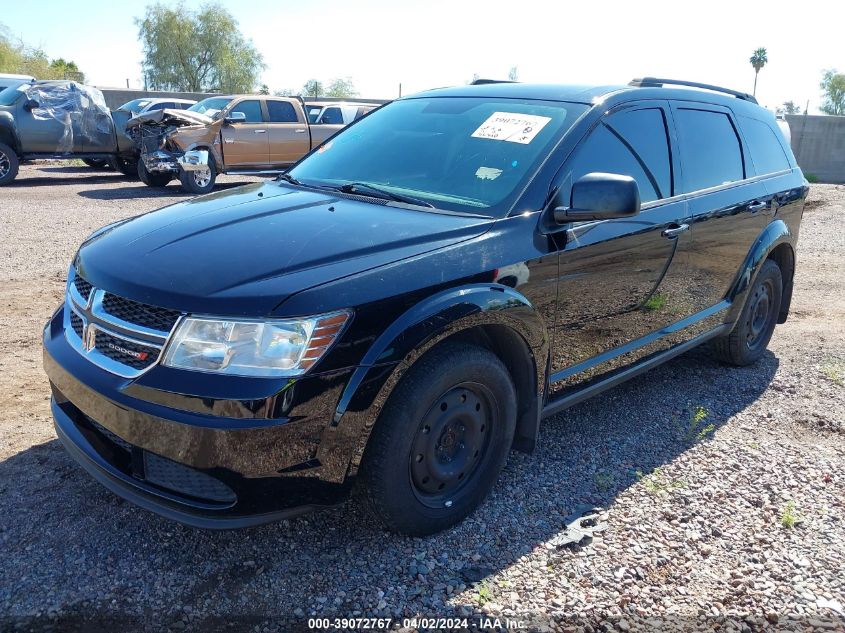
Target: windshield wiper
351, 187
287, 177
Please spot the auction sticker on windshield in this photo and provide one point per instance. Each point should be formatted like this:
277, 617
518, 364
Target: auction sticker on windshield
511, 126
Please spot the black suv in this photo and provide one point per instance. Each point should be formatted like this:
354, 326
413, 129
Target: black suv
405, 305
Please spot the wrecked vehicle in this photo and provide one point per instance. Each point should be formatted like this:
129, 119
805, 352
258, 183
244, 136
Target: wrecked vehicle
332, 113
58, 120
246, 134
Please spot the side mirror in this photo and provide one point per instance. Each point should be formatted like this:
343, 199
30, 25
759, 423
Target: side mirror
235, 117
598, 196
31, 104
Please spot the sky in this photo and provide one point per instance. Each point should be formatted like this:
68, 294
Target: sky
434, 43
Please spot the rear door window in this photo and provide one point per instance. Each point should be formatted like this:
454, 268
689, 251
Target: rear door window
281, 112
631, 143
766, 150
711, 153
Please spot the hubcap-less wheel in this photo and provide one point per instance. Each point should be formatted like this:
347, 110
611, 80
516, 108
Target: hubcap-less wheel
5, 165
760, 314
450, 443
202, 177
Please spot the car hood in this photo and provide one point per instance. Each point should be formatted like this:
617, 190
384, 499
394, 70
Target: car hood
242, 251
168, 117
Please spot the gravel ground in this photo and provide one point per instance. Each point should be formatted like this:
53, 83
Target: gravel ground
718, 492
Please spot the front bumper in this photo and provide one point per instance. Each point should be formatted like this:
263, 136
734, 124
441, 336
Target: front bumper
212, 454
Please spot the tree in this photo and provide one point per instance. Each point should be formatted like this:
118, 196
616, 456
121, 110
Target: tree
264, 90
313, 88
341, 88
284, 92
513, 73
790, 107
758, 59
20, 58
833, 86
197, 51
66, 70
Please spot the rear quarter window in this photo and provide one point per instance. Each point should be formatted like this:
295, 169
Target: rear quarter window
711, 153
765, 148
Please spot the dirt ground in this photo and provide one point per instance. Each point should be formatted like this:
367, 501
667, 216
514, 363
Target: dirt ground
714, 544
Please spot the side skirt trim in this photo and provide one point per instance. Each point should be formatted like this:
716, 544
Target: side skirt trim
611, 381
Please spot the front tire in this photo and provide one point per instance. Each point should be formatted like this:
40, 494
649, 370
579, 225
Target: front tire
199, 181
441, 441
748, 340
8, 164
151, 178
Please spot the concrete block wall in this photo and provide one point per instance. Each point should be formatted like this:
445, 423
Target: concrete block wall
116, 97
818, 142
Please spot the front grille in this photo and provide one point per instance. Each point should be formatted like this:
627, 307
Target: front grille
82, 287
114, 439
152, 317
185, 480
76, 323
125, 352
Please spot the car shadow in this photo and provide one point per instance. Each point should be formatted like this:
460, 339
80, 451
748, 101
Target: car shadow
586, 456
66, 176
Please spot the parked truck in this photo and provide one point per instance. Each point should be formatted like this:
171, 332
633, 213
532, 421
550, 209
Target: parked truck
237, 134
59, 120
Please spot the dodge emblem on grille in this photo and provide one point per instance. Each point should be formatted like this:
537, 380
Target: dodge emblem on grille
128, 352
89, 338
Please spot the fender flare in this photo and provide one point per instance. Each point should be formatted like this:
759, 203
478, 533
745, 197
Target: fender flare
409, 337
774, 235
9, 131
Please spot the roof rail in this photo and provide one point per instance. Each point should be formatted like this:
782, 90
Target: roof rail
482, 82
657, 82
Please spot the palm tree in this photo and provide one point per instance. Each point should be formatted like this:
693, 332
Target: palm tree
758, 60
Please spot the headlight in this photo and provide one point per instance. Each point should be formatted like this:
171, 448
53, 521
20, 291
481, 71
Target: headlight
286, 347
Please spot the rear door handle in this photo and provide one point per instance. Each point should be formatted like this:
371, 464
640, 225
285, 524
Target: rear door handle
756, 206
300, 131
675, 231
260, 131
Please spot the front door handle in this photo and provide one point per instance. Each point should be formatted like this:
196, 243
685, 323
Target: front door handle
675, 231
260, 131
300, 131
756, 206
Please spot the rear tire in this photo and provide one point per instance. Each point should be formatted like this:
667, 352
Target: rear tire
9, 164
748, 340
441, 441
199, 182
126, 167
96, 163
153, 178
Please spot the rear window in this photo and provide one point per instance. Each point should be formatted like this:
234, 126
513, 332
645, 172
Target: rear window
711, 153
766, 151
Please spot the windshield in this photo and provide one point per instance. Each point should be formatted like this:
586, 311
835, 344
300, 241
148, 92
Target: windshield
467, 154
210, 107
136, 105
10, 94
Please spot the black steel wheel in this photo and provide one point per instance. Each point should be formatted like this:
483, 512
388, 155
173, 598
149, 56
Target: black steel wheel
441, 440
8, 164
749, 338
452, 440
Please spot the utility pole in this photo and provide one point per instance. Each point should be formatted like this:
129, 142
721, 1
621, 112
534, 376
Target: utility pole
400, 89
